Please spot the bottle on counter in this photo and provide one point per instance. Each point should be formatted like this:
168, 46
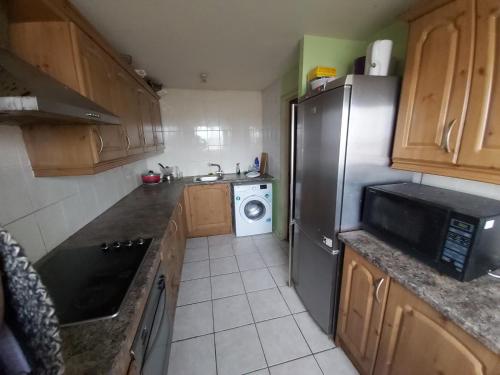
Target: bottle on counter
238, 171
256, 164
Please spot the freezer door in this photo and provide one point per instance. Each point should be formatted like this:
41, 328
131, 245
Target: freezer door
321, 139
316, 279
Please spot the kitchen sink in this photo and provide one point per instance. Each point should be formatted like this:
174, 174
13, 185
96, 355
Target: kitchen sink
206, 178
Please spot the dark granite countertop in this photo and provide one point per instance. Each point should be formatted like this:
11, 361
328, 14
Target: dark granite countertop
473, 305
102, 347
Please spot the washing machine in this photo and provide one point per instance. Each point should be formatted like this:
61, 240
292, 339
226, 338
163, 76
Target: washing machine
253, 208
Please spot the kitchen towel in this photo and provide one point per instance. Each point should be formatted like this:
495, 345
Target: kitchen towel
29, 310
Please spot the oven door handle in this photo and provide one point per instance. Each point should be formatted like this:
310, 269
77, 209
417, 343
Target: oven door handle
152, 341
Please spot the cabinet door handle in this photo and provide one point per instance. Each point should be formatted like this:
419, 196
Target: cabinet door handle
180, 206
445, 141
101, 142
377, 289
175, 224
128, 142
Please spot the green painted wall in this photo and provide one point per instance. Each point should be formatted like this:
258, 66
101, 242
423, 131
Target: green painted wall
289, 81
318, 50
340, 53
398, 33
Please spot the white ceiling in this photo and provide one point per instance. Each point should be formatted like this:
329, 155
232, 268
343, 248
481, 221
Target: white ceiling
241, 44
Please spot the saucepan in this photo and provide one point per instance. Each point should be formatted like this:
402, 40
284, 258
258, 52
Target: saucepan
151, 177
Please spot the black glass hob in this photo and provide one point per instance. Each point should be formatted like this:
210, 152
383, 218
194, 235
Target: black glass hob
90, 283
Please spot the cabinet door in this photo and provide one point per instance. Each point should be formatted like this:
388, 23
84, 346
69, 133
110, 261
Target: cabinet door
481, 140
417, 340
181, 222
362, 304
127, 107
94, 69
48, 46
148, 131
172, 265
208, 210
436, 84
158, 125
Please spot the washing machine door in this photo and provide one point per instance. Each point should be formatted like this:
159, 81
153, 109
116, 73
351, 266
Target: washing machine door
254, 209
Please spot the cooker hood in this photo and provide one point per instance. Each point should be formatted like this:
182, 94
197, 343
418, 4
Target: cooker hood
28, 96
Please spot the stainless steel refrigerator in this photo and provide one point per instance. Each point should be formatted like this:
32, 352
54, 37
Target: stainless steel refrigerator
343, 143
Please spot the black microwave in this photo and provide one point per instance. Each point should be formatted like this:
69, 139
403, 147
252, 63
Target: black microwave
456, 233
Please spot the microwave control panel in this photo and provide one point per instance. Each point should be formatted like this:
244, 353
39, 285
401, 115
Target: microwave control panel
458, 242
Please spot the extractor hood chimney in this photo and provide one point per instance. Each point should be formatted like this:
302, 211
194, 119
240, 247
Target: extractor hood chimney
29, 96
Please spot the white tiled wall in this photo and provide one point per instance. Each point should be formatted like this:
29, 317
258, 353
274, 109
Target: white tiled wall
202, 126
271, 134
466, 186
42, 212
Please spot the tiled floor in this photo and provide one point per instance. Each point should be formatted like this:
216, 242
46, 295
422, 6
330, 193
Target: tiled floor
236, 314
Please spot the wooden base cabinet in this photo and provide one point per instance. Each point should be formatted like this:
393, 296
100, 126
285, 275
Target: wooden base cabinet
208, 210
362, 304
386, 330
173, 249
417, 340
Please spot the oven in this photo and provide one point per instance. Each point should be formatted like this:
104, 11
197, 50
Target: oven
150, 347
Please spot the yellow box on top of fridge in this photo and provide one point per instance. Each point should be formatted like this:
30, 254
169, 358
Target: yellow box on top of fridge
321, 71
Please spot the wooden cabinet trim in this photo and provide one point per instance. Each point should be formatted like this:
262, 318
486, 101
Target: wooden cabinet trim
422, 8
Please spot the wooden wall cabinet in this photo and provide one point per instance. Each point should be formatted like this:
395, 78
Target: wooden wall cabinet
393, 332
148, 126
448, 121
362, 304
95, 76
208, 210
127, 107
54, 37
66, 150
157, 124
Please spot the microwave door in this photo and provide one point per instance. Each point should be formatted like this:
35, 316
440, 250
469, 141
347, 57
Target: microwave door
417, 227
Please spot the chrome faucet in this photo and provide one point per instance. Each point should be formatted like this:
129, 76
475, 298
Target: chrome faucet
219, 172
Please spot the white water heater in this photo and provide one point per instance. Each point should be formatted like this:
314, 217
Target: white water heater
378, 58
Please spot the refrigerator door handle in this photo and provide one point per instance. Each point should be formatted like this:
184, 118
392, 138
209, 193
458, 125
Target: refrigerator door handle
290, 250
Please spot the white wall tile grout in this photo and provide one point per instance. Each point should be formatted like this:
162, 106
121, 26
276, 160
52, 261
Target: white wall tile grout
202, 126
42, 212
